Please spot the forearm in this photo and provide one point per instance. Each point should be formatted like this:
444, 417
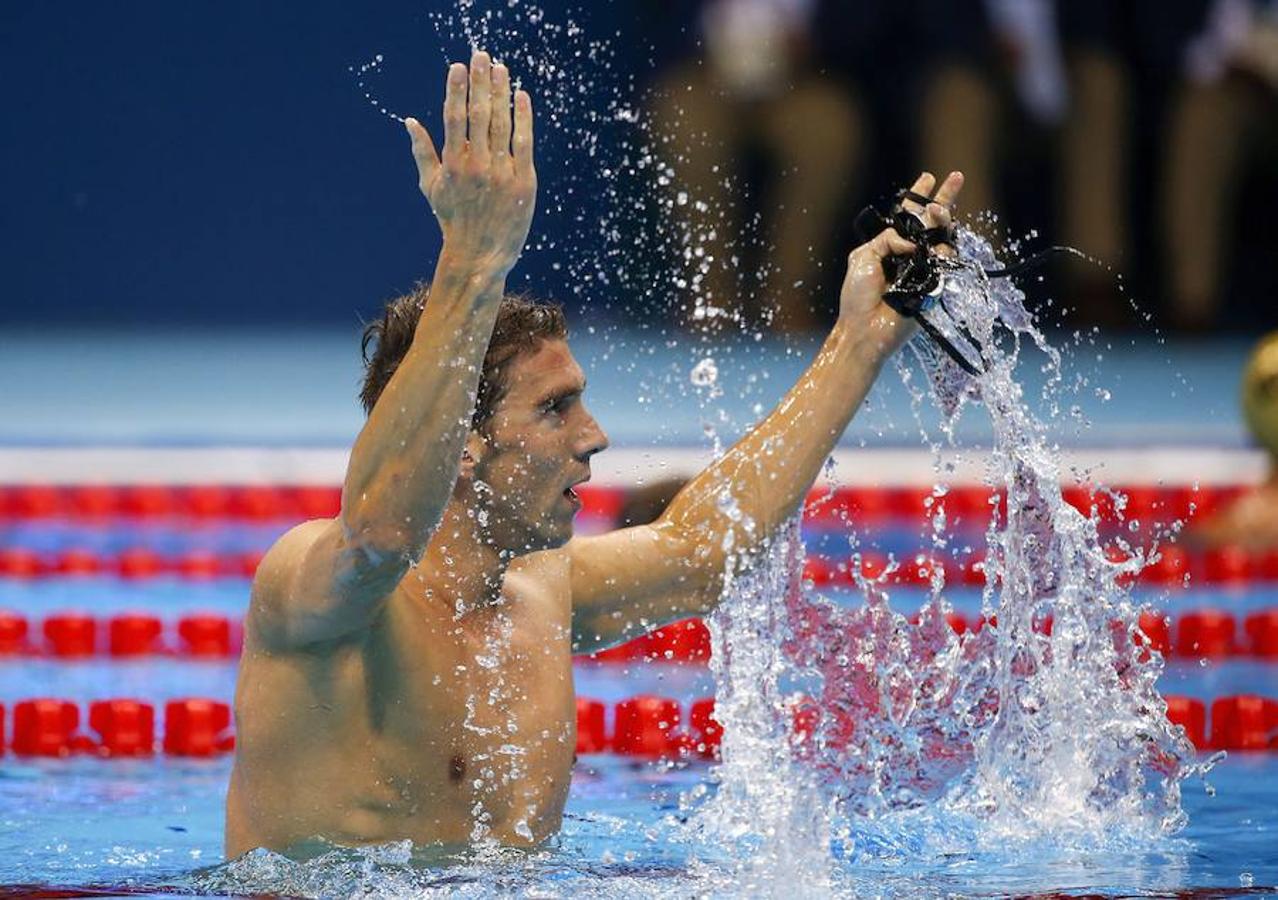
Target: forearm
406, 459
769, 471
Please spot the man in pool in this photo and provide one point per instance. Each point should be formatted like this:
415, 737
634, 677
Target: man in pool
407, 665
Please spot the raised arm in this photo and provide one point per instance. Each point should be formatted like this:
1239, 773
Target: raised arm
627, 581
325, 580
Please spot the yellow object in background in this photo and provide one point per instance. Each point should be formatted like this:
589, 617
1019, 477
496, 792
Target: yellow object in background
1260, 393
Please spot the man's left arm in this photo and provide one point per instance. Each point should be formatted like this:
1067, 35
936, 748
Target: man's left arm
626, 582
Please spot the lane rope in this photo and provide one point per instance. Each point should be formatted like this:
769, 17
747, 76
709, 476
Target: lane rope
643, 727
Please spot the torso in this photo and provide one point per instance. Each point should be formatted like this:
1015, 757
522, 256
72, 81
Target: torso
441, 729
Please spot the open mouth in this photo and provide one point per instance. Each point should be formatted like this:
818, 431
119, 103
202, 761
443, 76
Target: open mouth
572, 495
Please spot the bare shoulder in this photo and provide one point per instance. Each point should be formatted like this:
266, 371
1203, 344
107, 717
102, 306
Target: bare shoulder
546, 574
277, 575
286, 554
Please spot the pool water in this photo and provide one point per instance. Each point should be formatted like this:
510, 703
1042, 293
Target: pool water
154, 827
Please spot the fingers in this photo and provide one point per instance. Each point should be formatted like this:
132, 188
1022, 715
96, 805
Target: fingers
499, 136
939, 212
523, 143
481, 104
889, 242
455, 114
423, 152
937, 215
923, 186
948, 192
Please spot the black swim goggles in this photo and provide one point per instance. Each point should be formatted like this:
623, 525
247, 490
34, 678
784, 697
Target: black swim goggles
916, 280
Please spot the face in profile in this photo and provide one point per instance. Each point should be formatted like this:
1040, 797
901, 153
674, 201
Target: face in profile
534, 452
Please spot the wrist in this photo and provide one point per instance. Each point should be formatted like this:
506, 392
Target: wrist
462, 268
875, 334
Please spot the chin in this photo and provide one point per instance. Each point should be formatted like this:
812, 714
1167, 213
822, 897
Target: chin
558, 539
547, 537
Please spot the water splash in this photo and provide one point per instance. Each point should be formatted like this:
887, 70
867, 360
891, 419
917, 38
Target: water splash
363, 74
1044, 724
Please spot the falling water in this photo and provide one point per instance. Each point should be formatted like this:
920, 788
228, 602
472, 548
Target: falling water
1044, 723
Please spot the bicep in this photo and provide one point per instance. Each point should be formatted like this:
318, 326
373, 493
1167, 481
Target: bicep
313, 587
627, 582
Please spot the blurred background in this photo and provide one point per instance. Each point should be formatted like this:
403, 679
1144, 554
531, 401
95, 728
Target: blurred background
218, 164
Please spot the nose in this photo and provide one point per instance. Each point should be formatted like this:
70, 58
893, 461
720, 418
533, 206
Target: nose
593, 439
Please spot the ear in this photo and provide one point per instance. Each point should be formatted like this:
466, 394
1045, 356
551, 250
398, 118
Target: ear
472, 455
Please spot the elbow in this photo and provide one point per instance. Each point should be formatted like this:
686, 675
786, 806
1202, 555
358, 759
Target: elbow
375, 540
701, 555
378, 530
375, 559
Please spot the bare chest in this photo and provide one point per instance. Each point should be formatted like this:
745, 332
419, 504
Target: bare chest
485, 686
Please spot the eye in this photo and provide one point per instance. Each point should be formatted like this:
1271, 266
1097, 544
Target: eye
560, 406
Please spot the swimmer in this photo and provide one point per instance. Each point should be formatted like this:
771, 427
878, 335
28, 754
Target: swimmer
407, 665
1250, 521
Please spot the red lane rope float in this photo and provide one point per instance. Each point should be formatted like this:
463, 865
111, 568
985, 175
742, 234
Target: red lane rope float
1196, 634
972, 503
136, 563
201, 501
647, 727
686, 641
50, 728
76, 635
1229, 567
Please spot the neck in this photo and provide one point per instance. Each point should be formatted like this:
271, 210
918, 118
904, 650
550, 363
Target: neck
460, 570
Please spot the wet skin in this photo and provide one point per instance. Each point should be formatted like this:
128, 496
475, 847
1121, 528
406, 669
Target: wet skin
407, 666
451, 718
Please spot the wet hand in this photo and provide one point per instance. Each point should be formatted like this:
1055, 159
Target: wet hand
483, 189
861, 298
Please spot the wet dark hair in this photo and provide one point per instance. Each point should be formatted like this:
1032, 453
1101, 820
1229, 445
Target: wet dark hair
522, 324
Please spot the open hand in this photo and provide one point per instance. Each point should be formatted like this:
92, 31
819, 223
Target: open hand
861, 298
484, 188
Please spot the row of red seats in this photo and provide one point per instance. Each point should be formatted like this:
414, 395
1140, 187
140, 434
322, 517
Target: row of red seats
648, 726
861, 504
1192, 635
120, 728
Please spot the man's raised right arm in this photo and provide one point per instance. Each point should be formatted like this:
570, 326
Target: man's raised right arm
325, 580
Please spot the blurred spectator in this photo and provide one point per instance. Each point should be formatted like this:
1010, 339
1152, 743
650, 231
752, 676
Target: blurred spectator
922, 70
1095, 149
752, 89
1225, 121
1251, 520
1124, 128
